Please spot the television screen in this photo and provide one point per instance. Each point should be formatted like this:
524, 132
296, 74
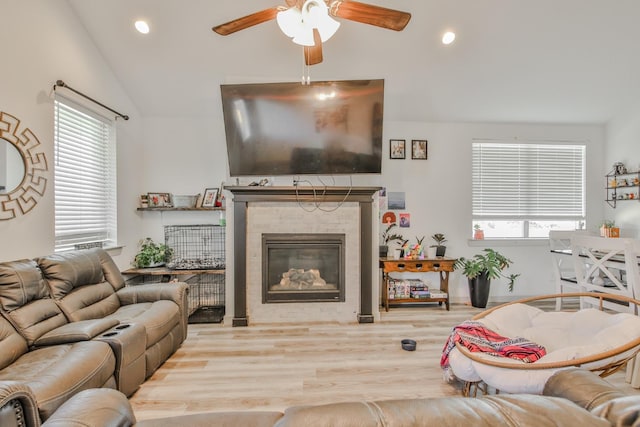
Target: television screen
324, 128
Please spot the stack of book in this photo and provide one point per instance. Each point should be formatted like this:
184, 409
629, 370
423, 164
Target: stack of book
408, 288
418, 289
438, 294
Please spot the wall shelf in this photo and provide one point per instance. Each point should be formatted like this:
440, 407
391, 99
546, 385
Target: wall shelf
179, 209
622, 187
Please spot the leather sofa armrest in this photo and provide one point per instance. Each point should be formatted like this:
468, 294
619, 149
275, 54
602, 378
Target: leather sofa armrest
17, 405
582, 387
83, 330
94, 407
173, 291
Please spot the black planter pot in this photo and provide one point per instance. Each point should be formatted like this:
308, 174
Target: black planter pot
479, 290
384, 250
440, 250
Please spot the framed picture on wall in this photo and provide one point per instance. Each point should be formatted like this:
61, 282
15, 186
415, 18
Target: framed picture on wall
419, 149
397, 149
210, 197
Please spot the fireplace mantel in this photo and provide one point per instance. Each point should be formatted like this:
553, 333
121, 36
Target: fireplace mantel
243, 195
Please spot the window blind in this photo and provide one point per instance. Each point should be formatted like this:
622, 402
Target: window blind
85, 179
528, 181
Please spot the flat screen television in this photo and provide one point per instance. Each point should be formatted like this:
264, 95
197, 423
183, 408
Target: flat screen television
325, 128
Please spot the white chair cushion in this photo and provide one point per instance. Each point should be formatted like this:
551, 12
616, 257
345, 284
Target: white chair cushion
565, 336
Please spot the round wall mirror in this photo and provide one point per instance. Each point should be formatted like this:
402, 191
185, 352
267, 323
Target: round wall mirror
23, 168
11, 167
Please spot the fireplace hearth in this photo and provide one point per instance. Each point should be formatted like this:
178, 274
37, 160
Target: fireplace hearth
303, 267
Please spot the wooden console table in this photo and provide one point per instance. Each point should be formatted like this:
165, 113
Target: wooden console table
440, 265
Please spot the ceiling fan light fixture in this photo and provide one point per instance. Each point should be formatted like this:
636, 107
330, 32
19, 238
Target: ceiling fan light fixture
315, 14
299, 24
304, 37
290, 21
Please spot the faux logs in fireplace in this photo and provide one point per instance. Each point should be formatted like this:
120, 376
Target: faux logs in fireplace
303, 267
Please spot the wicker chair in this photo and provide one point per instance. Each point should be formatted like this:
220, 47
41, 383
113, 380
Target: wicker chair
606, 356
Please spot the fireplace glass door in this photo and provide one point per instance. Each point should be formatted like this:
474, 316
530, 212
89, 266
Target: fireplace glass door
302, 268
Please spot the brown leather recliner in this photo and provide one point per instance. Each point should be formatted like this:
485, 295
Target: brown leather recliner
88, 285
31, 322
68, 323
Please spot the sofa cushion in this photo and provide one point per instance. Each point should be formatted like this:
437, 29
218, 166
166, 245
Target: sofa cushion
80, 285
89, 302
13, 344
20, 283
158, 318
58, 372
68, 270
511, 410
24, 297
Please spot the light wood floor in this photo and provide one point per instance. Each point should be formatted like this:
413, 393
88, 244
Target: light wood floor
272, 367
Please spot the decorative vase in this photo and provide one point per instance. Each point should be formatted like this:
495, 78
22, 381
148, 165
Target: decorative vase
384, 250
479, 288
432, 252
440, 250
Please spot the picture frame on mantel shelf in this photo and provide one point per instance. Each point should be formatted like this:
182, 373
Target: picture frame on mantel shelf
160, 200
419, 149
397, 149
210, 197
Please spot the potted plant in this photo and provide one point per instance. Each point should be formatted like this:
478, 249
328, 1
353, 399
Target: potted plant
478, 232
389, 236
440, 241
608, 229
480, 269
151, 254
417, 250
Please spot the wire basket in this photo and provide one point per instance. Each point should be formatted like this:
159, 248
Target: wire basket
196, 247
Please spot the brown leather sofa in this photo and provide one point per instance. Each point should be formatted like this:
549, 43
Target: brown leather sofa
571, 397
68, 323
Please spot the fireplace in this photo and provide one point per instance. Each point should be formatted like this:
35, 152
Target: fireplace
303, 268
347, 211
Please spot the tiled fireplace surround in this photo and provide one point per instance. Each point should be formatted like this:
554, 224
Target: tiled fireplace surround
261, 210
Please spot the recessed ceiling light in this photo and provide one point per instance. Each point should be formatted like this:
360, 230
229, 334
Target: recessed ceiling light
142, 27
448, 37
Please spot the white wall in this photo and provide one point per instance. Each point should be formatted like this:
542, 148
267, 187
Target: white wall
42, 42
439, 194
623, 136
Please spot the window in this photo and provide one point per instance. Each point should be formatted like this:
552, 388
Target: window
524, 190
85, 179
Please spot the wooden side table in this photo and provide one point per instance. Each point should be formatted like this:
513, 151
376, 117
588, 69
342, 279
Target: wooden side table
440, 265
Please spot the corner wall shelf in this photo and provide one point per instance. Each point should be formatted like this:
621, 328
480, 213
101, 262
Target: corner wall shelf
622, 187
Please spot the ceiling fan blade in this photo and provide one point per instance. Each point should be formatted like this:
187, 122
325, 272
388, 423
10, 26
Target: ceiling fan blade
313, 54
247, 21
370, 14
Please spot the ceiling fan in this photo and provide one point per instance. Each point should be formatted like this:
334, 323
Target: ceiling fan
310, 22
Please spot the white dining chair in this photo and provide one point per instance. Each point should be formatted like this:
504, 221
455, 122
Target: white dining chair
562, 263
607, 265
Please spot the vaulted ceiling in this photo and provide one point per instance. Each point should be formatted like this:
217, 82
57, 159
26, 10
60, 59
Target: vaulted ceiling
552, 61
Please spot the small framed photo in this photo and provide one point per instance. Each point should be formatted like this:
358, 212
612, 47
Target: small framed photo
397, 149
210, 197
419, 149
160, 200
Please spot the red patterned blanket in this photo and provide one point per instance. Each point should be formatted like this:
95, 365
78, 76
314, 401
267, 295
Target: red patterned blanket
478, 338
